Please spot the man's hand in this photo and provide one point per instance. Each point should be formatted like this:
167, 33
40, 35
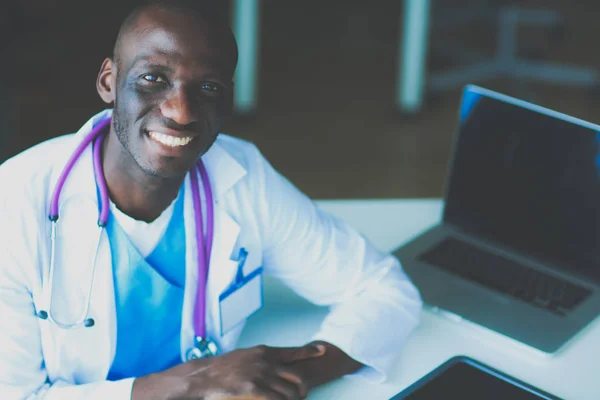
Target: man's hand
332, 365
258, 373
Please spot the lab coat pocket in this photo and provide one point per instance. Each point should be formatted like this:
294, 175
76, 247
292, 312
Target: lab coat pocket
243, 297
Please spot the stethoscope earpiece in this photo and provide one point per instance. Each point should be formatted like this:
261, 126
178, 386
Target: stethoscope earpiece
88, 323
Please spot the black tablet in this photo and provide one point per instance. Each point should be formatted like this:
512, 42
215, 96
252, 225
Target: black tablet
464, 378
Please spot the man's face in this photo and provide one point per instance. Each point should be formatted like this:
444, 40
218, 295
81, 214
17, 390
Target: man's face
172, 91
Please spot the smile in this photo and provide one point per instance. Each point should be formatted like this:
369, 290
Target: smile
170, 141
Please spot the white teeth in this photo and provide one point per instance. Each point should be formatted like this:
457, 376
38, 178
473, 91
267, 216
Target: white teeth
170, 141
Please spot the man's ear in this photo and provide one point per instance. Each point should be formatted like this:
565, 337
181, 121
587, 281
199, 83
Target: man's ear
107, 80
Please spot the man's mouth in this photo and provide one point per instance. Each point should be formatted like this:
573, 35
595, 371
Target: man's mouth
170, 141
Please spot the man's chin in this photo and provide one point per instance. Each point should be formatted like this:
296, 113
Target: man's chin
168, 172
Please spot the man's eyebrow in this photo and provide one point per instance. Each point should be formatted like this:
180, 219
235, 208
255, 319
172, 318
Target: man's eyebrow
213, 75
142, 61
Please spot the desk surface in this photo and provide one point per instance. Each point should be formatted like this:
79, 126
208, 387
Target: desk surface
289, 320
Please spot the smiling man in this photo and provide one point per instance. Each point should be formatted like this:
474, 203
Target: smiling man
151, 305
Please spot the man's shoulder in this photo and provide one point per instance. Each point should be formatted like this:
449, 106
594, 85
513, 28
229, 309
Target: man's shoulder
43, 153
236, 146
33, 167
243, 151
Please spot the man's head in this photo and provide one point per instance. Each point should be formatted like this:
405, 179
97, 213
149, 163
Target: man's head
170, 79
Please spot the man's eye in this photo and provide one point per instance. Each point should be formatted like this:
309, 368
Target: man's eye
211, 87
153, 78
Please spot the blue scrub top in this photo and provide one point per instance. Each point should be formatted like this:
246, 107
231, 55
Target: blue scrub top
149, 299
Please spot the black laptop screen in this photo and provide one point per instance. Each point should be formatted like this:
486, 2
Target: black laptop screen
528, 178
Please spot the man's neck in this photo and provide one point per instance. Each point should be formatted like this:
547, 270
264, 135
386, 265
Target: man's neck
135, 192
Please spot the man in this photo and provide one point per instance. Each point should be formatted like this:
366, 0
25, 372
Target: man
116, 317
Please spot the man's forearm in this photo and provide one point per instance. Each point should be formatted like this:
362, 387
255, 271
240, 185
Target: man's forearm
332, 365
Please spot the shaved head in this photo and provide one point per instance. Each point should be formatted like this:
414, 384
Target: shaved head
205, 12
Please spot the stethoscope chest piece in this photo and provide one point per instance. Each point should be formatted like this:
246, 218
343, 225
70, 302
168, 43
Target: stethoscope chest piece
203, 348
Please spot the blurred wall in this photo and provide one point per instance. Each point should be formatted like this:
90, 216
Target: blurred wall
326, 116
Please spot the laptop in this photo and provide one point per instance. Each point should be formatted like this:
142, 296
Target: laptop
518, 249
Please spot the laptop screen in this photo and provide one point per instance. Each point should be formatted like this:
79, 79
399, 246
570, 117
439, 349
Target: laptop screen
529, 178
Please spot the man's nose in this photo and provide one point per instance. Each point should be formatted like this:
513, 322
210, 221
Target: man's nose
180, 107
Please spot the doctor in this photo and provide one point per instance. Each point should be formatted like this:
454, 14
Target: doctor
132, 252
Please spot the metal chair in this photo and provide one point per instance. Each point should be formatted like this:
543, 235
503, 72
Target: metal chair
413, 81
506, 61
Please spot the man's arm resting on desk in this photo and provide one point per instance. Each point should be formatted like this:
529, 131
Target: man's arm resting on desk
373, 306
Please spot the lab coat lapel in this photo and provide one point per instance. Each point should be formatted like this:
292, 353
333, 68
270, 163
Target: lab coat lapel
81, 354
223, 171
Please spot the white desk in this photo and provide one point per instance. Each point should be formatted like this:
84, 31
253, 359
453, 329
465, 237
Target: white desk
289, 320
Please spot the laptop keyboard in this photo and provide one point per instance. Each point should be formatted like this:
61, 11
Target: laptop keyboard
506, 276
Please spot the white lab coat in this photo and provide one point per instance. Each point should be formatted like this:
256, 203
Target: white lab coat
374, 306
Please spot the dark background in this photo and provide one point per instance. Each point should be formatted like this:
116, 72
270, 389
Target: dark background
326, 116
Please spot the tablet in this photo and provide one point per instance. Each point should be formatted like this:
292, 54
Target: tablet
464, 378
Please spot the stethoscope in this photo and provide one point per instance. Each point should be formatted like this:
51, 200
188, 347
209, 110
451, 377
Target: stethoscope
203, 347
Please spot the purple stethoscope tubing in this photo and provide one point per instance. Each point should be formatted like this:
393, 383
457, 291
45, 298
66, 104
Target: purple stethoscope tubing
53, 214
204, 247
